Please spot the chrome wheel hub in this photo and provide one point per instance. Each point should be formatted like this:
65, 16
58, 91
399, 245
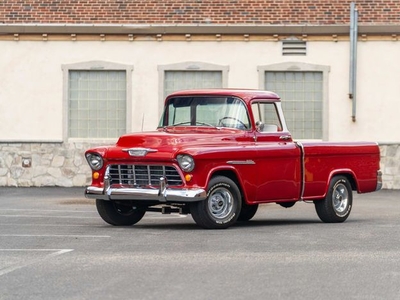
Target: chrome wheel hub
220, 203
340, 198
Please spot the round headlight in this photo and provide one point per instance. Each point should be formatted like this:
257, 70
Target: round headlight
186, 162
95, 161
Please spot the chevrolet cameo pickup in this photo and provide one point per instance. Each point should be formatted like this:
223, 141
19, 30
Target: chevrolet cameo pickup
218, 154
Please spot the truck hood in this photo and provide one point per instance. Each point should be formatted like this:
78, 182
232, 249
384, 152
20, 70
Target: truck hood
165, 143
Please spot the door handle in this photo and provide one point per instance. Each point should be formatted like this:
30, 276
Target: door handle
285, 137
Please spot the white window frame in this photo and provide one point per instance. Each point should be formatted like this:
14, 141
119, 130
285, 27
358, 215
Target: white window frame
187, 66
95, 66
303, 67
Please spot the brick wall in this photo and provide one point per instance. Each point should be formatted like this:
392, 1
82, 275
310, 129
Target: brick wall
323, 12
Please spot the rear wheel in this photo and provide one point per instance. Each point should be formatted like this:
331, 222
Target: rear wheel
118, 214
336, 206
222, 206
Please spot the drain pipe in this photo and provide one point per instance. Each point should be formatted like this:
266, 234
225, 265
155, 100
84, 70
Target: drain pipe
353, 58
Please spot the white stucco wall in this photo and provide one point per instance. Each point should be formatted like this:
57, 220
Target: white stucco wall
31, 81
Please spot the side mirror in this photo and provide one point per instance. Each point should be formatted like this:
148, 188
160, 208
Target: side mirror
260, 126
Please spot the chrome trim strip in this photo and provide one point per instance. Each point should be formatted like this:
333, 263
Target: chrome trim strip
241, 162
107, 179
379, 183
139, 151
302, 169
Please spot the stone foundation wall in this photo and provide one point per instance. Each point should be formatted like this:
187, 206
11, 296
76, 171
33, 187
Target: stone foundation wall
64, 164
44, 164
390, 165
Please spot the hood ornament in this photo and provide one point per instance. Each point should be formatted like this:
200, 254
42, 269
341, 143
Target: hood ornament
138, 151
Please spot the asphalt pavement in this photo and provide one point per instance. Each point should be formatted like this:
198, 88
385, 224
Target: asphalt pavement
53, 245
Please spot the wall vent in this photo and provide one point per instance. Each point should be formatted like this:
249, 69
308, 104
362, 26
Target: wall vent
294, 46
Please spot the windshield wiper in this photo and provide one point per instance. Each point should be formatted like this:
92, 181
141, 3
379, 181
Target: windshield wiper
190, 123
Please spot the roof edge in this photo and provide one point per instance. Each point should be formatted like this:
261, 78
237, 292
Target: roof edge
308, 29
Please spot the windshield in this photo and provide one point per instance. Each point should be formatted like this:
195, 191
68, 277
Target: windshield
206, 111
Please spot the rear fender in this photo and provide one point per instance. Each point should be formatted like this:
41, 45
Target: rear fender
348, 173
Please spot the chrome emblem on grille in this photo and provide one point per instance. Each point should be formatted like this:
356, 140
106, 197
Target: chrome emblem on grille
139, 151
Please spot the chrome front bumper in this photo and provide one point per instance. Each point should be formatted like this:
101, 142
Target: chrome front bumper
163, 194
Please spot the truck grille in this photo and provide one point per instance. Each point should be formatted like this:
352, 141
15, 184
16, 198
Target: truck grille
143, 175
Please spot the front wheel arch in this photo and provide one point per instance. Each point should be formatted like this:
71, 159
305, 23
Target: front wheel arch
233, 175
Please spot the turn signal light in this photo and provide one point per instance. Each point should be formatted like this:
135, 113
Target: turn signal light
96, 175
188, 177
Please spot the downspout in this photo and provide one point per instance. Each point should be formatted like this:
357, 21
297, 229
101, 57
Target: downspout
353, 58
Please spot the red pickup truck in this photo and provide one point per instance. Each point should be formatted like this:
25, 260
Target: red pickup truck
218, 154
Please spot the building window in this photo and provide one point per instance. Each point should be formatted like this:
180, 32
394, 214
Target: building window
97, 97
97, 104
302, 101
303, 91
181, 80
190, 75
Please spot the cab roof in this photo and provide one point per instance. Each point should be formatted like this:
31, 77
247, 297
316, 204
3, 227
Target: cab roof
245, 94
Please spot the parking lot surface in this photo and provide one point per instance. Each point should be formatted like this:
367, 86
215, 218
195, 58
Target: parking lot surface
53, 245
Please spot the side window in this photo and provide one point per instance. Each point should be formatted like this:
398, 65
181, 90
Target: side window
266, 117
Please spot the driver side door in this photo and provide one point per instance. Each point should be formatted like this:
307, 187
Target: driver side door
278, 158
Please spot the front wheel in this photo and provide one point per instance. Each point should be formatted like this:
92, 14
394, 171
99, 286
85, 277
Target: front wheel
222, 206
336, 206
118, 214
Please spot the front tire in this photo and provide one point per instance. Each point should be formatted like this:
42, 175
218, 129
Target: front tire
222, 206
117, 214
336, 206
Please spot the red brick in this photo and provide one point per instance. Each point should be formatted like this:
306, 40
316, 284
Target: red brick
191, 11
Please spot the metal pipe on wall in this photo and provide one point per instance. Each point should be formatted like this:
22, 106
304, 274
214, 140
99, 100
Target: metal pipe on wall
353, 58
